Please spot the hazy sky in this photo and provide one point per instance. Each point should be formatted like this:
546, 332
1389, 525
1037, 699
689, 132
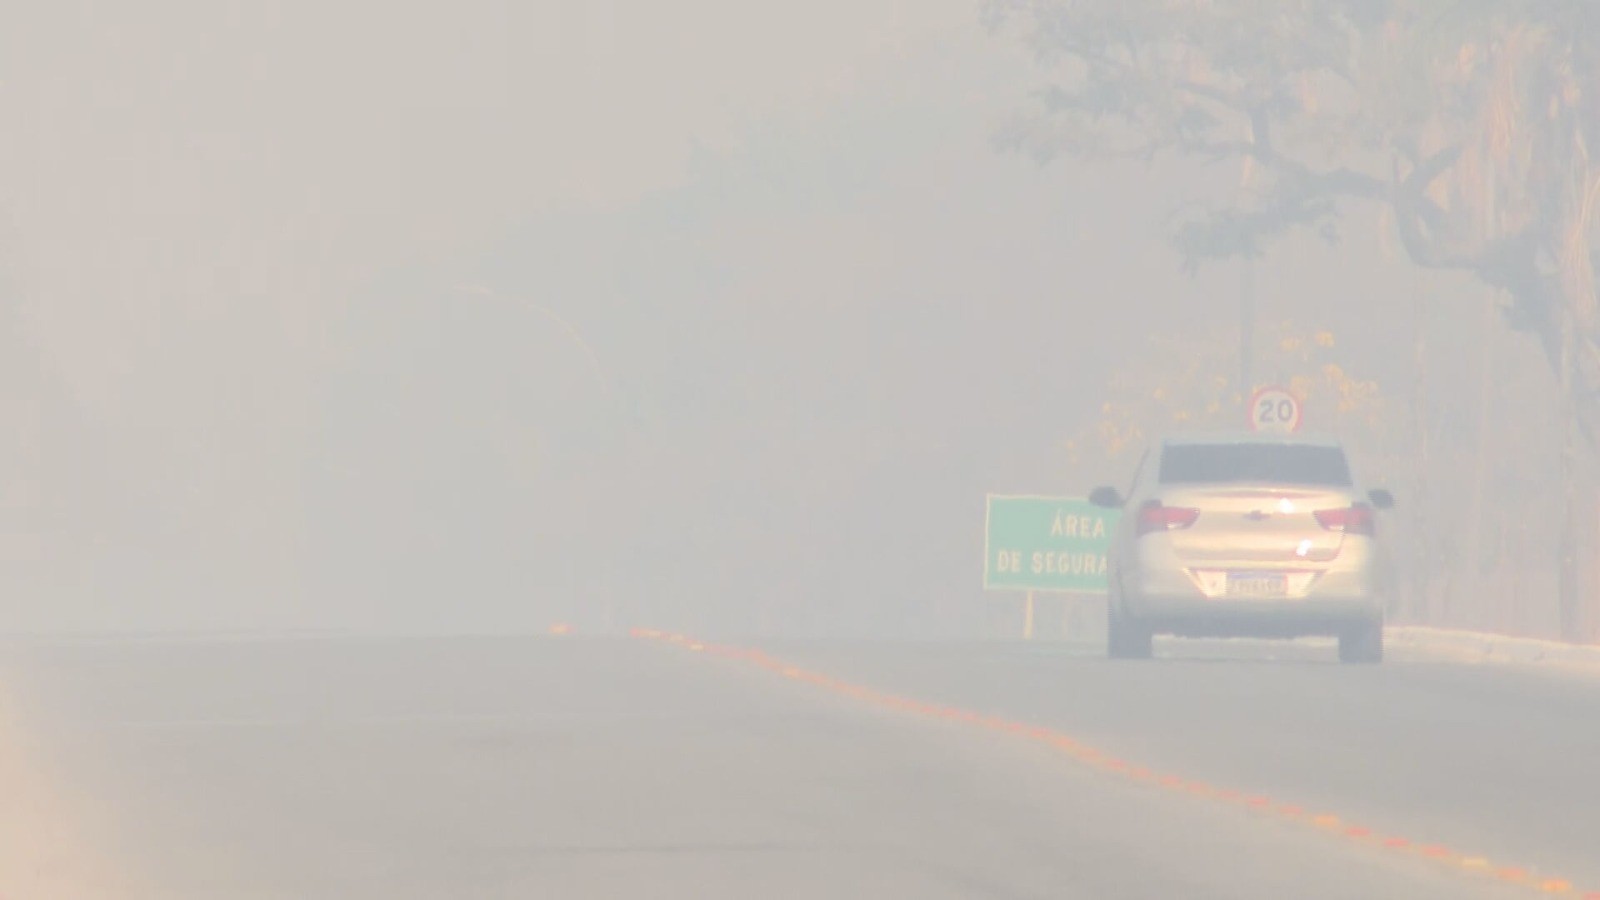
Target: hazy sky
783, 228
192, 190
167, 161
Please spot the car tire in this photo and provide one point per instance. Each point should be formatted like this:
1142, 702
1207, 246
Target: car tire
1126, 638
1362, 643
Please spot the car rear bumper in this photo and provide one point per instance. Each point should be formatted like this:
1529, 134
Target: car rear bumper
1190, 616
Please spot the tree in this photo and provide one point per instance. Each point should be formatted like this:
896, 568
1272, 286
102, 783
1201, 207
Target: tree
1195, 389
1465, 123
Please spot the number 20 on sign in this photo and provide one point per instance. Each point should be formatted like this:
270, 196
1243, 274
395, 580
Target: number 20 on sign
1275, 409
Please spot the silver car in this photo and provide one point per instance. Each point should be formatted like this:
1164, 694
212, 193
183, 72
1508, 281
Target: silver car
1246, 536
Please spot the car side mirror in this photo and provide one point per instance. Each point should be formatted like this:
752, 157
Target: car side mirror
1106, 498
1381, 499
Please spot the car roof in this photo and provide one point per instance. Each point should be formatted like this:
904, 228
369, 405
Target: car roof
1213, 438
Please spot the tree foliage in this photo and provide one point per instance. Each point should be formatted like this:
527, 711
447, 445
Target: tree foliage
1466, 123
1198, 389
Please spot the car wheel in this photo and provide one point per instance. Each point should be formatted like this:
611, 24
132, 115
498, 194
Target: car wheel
1126, 638
1362, 642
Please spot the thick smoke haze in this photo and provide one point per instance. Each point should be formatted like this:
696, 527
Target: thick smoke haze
483, 316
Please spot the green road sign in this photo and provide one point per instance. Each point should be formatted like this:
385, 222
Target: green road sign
1046, 544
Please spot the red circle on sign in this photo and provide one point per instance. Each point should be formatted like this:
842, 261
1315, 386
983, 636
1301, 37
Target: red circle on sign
1275, 409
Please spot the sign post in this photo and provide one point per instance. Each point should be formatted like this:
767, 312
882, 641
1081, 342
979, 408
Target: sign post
1045, 544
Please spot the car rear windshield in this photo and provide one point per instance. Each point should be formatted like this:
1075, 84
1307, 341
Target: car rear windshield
1274, 463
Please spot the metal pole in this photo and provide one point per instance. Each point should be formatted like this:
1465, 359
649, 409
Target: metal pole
1491, 608
1569, 590
1422, 576
612, 397
566, 327
1247, 329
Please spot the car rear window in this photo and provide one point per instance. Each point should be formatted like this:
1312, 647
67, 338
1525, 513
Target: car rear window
1276, 463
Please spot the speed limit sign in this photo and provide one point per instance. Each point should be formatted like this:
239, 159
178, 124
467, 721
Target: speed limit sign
1274, 409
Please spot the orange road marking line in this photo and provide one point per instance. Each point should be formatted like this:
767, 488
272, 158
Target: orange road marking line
1097, 759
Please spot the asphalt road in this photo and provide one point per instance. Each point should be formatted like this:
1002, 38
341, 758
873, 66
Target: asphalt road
573, 768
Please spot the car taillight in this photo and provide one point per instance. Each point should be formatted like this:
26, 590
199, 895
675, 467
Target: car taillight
1155, 517
1358, 519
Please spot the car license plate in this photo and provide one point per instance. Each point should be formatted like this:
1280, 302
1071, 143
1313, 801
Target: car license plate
1251, 585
